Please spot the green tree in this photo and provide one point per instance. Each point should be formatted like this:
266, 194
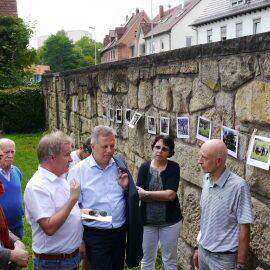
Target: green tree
15, 56
59, 53
86, 46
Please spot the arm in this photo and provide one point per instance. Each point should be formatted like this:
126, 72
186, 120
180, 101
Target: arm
243, 243
51, 224
160, 196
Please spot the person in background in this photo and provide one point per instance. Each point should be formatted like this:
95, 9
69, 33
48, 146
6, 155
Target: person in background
13, 254
11, 177
51, 207
81, 153
226, 213
157, 184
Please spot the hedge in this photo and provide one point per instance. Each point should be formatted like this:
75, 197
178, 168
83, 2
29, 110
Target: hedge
22, 110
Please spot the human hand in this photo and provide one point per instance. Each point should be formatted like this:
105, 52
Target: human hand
74, 190
19, 244
196, 259
123, 180
19, 256
141, 192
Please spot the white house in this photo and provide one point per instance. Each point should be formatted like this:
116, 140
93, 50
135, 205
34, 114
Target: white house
173, 28
226, 19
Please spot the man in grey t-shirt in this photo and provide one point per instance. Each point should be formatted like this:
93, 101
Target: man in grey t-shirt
226, 213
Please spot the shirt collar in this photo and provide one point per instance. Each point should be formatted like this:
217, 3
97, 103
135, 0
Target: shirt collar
4, 172
93, 163
49, 175
221, 180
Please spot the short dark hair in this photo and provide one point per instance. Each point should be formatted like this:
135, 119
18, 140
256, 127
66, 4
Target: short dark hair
167, 140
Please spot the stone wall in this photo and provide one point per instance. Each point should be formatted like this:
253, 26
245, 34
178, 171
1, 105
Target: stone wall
227, 82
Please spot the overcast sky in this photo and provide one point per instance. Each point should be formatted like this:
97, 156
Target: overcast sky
52, 15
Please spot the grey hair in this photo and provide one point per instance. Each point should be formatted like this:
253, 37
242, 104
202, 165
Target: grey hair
4, 141
51, 144
101, 130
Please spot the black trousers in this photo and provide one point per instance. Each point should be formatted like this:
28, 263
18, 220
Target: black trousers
105, 248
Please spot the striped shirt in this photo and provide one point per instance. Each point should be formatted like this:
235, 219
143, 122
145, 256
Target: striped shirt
224, 205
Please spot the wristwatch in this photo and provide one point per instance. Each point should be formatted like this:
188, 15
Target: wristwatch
240, 266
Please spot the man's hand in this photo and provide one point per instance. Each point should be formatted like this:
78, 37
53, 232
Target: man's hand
19, 256
196, 259
123, 180
19, 244
74, 191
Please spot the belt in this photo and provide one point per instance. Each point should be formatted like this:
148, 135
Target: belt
56, 256
220, 252
109, 230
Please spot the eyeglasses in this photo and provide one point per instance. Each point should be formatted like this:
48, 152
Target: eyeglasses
163, 148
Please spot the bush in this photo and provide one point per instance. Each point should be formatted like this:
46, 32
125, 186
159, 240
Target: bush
22, 110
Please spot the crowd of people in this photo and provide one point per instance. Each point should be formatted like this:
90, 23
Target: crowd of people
144, 213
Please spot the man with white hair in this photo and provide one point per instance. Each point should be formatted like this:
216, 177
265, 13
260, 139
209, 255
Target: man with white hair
10, 175
107, 186
51, 207
226, 213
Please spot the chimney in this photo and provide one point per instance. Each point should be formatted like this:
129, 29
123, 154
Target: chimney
161, 12
137, 11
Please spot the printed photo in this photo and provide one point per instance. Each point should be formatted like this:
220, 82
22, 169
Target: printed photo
135, 119
259, 152
118, 117
164, 126
183, 127
111, 114
127, 116
230, 138
203, 129
151, 125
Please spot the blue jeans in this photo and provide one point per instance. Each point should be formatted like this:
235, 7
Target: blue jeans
216, 261
64, 264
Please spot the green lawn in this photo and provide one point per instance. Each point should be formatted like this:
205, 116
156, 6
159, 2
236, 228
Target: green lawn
26, 161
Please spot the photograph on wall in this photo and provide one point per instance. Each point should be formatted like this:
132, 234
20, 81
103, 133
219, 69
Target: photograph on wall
104, 111
111, 114
230, 138
135, 119
127, 116
204, 127
118, 116
151, 125
164, 126
183, 127
259, 152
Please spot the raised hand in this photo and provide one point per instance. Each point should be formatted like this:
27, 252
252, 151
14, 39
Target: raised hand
74, 190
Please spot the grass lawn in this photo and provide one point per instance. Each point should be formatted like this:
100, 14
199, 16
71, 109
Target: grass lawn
26, 161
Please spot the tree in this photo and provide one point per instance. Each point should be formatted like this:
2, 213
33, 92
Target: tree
86, 46
15, 56
59, 53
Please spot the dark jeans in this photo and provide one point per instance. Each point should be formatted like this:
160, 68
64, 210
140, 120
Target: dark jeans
105, 248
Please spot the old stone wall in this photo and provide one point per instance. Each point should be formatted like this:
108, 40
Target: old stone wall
227, 82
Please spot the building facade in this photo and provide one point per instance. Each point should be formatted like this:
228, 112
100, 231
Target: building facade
8, 8
235, 19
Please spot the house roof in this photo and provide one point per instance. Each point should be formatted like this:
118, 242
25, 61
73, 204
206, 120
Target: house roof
248, 6
40, 69
123, 30
146, 27
166, 23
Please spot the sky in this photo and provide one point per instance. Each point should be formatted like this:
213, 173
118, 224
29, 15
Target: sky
47, 17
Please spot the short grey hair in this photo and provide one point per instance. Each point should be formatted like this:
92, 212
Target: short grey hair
101, 131
4, 141
51, 144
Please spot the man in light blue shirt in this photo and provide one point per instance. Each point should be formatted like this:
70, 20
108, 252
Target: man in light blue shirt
226, 213
103, 188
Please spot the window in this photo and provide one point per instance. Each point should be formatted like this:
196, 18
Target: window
152, 46
188, 41
237, 2
256, 26
162, 45
209, 35
132, 50
239, 29
142, 49
223, 33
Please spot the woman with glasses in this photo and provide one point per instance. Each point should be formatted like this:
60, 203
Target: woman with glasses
157, 185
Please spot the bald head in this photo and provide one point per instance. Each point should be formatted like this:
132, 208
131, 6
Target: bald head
216, 148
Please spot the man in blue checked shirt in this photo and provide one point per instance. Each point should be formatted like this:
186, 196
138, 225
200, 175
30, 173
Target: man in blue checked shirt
226, 213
